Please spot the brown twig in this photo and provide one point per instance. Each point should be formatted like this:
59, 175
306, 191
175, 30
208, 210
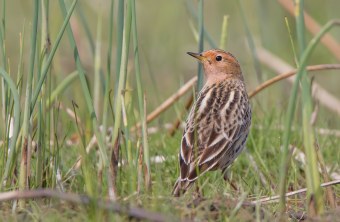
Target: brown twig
140, 169
323, 169
323, 96
177, 123
314, 28
147, 171
276, 198
135, 212
320, 131
325, 176
289, 74
114, 168
262, 178
167, 103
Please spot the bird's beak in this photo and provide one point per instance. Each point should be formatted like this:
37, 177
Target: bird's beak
197, 56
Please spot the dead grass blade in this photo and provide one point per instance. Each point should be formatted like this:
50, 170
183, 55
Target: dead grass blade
177, 123
167, 103
276, 198
314, 28
320, 94
135, 212
289, 74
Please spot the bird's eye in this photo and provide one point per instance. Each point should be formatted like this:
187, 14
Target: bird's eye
218, 58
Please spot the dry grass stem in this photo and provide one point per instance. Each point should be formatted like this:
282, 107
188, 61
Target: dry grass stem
134, 212
325, 175
300, 156
314, 28
177, 123
323, 169
323, 96
276, 198
113, 192
289, 74
167, 103
320, 131
256, 169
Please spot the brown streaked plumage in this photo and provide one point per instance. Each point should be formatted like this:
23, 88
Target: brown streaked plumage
218, 123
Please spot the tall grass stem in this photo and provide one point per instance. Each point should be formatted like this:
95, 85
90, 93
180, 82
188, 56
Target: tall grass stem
140, 93
292, 105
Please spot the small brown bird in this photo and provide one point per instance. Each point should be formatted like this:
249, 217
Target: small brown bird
218, 124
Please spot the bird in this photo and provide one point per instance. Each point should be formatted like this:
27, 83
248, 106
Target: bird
218, 123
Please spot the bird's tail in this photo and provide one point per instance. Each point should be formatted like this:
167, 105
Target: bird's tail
180, 187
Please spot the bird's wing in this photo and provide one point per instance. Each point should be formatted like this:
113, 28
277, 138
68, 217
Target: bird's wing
221, 127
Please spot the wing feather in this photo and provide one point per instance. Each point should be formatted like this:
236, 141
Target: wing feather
216, 130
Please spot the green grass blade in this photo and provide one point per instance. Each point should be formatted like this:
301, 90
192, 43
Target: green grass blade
51, 55
10, 159
224, 33
200, 22
97, 68
251, 44
27, 111
119, 96
194, 14
44, 50
81, 73
292, 105
87, 29
4, 97
60, 88
119, 41
140, 93
291, 42
108, 75
312, 173
85, 24
122, 72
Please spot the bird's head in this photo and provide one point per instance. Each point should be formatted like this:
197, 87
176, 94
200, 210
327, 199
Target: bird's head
218, 65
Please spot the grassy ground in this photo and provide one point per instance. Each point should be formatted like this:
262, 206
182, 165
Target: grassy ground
122, 59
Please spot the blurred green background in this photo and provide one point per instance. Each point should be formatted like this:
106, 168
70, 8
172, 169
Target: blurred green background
165, 35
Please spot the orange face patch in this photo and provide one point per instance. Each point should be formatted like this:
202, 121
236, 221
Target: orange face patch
212, 54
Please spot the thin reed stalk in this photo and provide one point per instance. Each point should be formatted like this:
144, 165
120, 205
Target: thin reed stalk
23, 180
224, 33
119, 41
97, 65
251, 43
46, 68
122, 72
108, 71
121, 78
292, 105
103, 160
10, 160
140, 95
194, 14
200, 22
3, 60
314, 193
44, 51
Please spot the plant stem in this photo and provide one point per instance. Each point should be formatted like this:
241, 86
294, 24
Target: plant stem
27, 112
292, 105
